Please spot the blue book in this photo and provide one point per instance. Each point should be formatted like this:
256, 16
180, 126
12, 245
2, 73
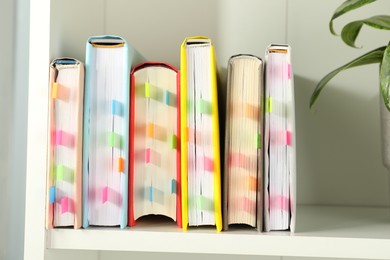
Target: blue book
106, 130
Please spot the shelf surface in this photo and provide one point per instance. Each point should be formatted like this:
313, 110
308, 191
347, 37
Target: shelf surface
322, 231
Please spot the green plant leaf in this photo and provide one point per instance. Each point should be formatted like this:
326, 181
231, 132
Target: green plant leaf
384, 77
351, 30
345, 7
374, 56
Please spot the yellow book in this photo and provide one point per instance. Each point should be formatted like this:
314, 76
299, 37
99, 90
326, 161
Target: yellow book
200, 168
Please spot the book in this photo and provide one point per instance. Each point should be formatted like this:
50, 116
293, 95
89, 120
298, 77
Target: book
64, 182
200, 168
154, 175
280, 145
243, 139
106, 130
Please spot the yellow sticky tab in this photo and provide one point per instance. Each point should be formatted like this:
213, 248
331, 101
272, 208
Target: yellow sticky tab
147, 89
54, 90
268, 105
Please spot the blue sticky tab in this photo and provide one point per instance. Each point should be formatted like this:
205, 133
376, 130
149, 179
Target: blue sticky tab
117, 108
150, 193
170, 99
173, 186
52, 194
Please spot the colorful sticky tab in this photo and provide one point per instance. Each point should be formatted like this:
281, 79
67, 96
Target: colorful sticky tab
59, 92
190, 135
54, 90
238, 160
150, 130
156, 132
173, 186
115, 140
105, 195
280, 202
289, 71
258, 141
147, 155
208, 164
288, 137
52, 194
121, 165
147, 89
204, 107
64, 173
170, 99
117, 108
268, 104
64, 205
150, 193
205, 203
252, 183
152, 157
173, 141
63, 138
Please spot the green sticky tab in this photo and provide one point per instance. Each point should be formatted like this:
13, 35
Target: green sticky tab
147, 89
205, 203
60, 172
258, 137
64, 173
268, 105
204, 107
115, 140
173, 142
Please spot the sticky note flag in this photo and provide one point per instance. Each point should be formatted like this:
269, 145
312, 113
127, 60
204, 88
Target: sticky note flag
54, 90
289, 71
150, 193
208, 164
173, 186
204, 107
52, 194
121, 164
173, 141
63, 138
64, 205
147, 89
105, 195
288, 137
115, 140
268, 105
258, 141
150, 130
170, 99
117, 108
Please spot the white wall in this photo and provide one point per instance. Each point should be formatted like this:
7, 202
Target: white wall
338, 142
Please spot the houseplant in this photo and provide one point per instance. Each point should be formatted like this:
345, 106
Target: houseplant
349, 34
381, 55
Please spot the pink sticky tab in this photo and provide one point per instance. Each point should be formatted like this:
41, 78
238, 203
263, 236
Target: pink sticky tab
64, 138
208, 164
288, 137
289, 71
147, 155
238, 160
67, 205
248, 205
105, 195
280, 202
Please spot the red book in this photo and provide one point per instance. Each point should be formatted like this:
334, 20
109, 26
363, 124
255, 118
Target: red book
154, 156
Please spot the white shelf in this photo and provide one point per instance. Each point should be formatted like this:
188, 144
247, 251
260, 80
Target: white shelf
341, 232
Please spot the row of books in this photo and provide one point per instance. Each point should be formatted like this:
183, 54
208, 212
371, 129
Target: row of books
135, 138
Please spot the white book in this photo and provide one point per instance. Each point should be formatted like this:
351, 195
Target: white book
280, 145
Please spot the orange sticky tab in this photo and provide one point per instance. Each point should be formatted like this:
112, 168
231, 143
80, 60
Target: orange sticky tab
121, 165
252, 183
150, 130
